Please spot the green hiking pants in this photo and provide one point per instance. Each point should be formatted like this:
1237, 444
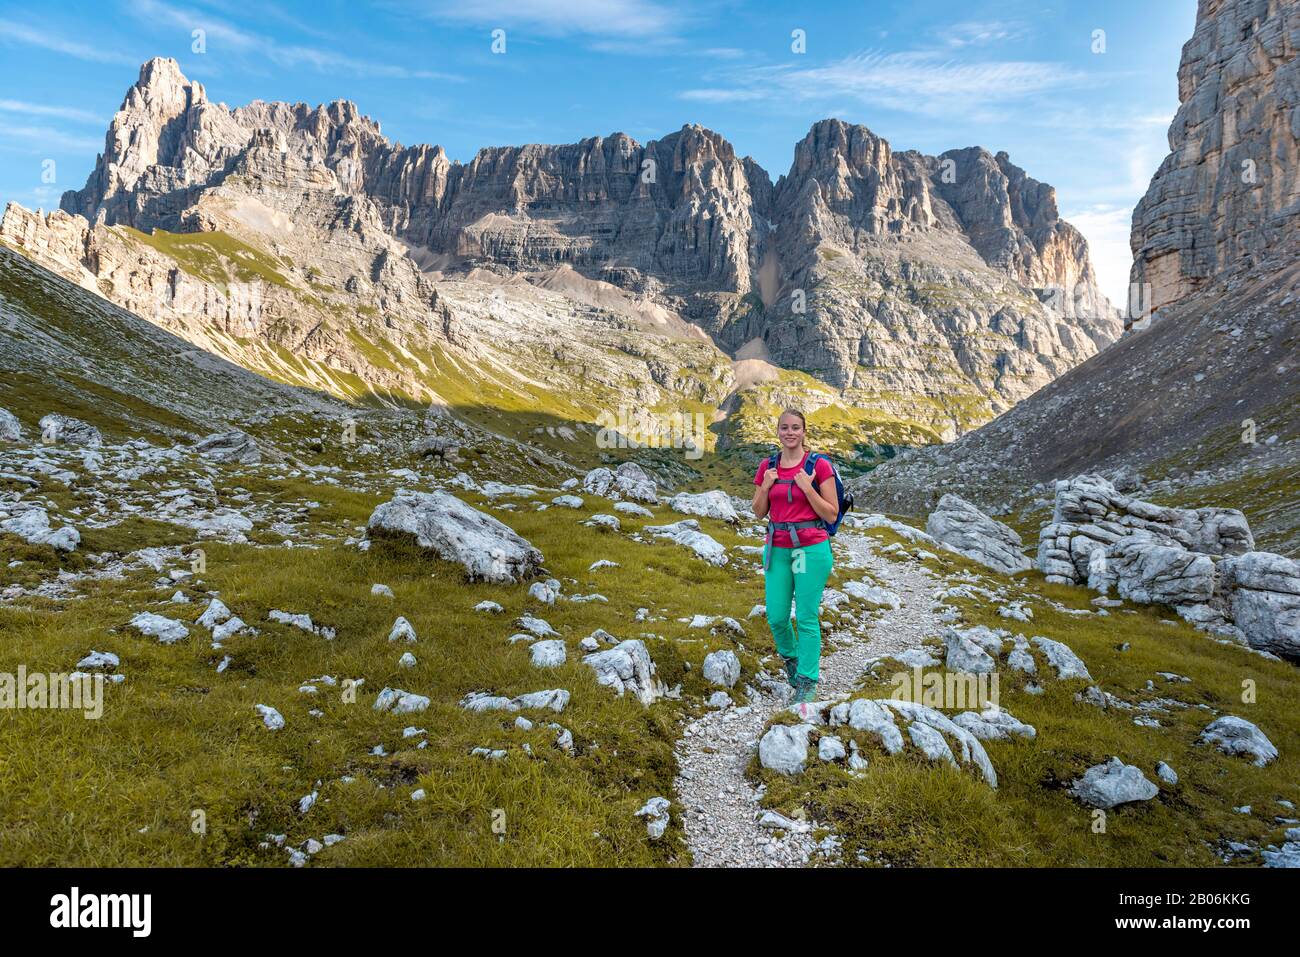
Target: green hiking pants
798, 574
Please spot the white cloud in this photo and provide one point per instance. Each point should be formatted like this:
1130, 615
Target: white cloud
722, 96
1107, 230
223, 35
62, 112
620, 18
36, 139
47, 41
981, 32
924, 82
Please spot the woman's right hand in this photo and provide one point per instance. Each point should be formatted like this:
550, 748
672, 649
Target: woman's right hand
769, 478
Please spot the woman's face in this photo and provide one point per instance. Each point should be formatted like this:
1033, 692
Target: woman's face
789, 430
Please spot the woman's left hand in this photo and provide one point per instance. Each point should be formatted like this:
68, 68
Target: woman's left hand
804, 481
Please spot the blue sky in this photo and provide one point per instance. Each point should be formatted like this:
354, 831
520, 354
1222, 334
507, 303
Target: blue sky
926, 74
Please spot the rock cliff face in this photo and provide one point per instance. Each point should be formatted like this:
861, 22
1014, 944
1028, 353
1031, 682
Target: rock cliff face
950, 280
1204, 397
926, 293
1228, 188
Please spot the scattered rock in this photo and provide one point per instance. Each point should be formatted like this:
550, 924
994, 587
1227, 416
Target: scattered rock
234, 446
556, 699
214, 614
402, 631
11, 429
1113, 783
273, 720
969, 532
864, 714
714, 504
830, 748
536, 626
869, 592
486, 548
784, 747
302, 621
1062, 658
166, 630
33, 526
545, 592
634, 482
656, 811
1233, 735
62, 428
99, 661
965, 655
994, 724
397, 701
548, 654
227, 629
722, 668
687, 534
626, 667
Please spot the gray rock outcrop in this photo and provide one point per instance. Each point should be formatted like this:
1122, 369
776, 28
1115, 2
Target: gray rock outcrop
1113, 783
722, 668
784, 747
627, 667
488, 549
1263, 600
11, 430
234, 446
1233, 735
1200, 561
902, 255
1089, 513
715, 504
687, 534
33, 526
968, 531
64, 428
927, 728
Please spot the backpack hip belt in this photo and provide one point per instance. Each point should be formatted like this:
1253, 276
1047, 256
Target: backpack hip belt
792, 528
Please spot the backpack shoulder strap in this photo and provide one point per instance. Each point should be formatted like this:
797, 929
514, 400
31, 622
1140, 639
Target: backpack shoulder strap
810, 464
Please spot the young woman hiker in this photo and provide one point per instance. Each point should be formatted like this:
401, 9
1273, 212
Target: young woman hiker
797, 555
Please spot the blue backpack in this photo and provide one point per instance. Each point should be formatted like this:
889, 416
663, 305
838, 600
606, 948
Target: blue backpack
842, 497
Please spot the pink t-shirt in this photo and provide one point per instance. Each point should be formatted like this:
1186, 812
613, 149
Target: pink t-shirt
799, 509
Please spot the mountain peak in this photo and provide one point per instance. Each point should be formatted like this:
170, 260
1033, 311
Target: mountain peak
683, 212
162, 85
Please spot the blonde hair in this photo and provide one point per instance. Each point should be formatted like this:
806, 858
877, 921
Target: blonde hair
802, 421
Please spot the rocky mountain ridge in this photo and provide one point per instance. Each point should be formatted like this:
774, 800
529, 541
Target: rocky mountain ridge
1202, 396
1228, 189
921, 294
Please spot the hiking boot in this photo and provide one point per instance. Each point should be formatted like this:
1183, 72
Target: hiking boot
805, 690
791, 669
